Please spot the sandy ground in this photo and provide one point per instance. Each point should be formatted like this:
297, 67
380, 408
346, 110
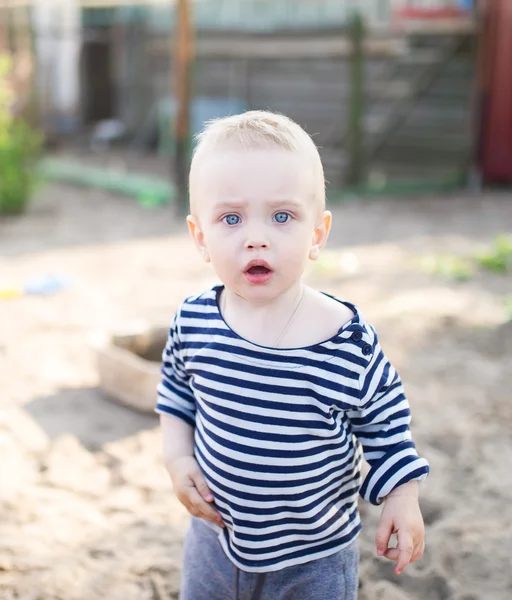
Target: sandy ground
86, 509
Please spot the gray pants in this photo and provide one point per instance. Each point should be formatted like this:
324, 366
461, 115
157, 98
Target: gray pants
208, 574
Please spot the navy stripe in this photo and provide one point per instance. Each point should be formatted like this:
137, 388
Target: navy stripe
226, 363
260, 485
272, 388
370, 416
313, 531
265, 483
385, 433
161, 408
332, 540
254, 434
343, 451
271, 452
298, 361
300, 519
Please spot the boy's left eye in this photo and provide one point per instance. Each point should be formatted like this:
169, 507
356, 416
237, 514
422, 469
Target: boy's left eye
282, 217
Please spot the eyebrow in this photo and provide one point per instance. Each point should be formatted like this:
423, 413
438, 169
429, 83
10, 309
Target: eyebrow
228, 205
285, 202
278, 203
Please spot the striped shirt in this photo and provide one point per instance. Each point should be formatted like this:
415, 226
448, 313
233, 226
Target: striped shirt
280, 433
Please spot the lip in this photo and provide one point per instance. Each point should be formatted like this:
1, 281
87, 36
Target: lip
257, 263
257, 278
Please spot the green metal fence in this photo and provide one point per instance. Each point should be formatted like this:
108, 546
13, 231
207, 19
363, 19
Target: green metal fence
248, 15
263, 15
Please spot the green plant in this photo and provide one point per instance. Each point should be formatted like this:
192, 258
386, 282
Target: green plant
499, 257
20, 147
448, 267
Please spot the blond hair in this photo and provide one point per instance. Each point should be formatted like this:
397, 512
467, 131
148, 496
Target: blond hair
256, 129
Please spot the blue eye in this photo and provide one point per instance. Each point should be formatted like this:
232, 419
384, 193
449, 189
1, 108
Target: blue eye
281, 217
231, 219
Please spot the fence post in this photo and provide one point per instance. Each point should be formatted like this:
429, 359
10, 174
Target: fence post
356, 170
183, 59
4, 29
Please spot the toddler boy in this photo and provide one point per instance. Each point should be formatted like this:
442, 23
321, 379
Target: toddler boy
272, 391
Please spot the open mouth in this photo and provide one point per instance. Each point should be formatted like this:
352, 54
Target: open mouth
257, 267
258, 271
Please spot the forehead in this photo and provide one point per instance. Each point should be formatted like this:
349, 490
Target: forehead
263, 173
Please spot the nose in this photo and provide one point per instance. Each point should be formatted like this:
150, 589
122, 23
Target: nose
256, 238
256, 242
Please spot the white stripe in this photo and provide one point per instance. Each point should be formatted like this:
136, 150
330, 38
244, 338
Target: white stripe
406, 470
371, 443
290, 562
276, 554
290, 537
255, 443
269, 398
334, 488
227, 366
270, 529
273, 429
270, 461
284, 477
386, 466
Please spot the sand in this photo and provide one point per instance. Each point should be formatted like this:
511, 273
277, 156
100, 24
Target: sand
86, 509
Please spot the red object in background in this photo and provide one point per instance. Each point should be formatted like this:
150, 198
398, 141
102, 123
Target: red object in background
424, 15
416, 12
496, 88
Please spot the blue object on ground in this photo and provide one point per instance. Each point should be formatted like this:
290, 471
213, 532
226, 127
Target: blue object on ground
46, 284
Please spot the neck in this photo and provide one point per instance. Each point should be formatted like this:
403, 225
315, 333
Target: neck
267, 322
244, 306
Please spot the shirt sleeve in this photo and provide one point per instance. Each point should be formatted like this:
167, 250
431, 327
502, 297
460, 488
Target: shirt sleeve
175, 396
381, 424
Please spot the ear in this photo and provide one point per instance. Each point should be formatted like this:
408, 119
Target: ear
198, 237
320, 235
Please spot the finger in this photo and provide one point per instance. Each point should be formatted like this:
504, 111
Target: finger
392, 553
201, 485
383, 534
418, 551
199, 508
405, 547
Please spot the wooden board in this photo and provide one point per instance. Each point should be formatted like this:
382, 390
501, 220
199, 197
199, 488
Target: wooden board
276, 46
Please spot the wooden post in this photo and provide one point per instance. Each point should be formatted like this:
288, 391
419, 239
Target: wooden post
356, 171
4, 29
481, 86
23, 54
183, 58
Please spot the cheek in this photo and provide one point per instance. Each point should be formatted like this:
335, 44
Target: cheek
295, 248
220, 244
300, 240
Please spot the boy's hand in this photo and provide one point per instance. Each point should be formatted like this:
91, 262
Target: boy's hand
401, 515
192, 490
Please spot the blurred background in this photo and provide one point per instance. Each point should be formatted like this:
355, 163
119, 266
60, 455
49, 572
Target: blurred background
410, 104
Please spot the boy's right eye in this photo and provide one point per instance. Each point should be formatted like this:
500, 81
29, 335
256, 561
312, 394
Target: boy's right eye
231, 219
